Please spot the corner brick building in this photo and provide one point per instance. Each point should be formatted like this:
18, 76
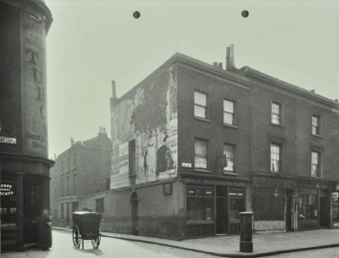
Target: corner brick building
81, 170
194, 144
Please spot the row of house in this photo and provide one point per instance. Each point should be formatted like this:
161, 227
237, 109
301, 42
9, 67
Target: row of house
194, 144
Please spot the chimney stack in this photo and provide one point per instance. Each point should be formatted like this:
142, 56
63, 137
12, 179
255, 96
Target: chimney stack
72, 141
230, 57
313, 91
220, 65
336, 100
114, 89
215, 64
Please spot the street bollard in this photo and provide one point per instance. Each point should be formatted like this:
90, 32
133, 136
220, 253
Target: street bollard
246, 243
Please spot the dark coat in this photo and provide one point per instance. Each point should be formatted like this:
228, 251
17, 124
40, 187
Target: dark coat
45, 232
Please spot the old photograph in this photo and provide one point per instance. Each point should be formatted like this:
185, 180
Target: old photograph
169, 128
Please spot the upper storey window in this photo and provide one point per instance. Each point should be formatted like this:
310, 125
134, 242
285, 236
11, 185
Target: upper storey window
276, 113
228, 112
200, 104
315, 125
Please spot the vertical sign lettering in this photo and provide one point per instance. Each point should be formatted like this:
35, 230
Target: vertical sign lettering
33, 58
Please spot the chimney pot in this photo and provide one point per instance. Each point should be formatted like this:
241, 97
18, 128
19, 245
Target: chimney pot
215, 64
220, 65
114, 89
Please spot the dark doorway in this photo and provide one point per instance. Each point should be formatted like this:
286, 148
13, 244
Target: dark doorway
289, 196
33, 205
222, 210
135, 220
324, 212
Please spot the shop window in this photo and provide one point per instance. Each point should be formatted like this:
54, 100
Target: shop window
276, 113
200, 153
308, 206
268, 204
229, 154
228, 112
200, 104
275, 157
8, 204
315, 160
236, 199
315, 125
200, 204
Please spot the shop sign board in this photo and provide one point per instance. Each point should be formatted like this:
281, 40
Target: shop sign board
6, 189
186, 165
213, 182
274, 182
335, 196
7, 140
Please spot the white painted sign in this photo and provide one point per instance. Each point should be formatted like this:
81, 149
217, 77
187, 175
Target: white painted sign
186, 165
7, 140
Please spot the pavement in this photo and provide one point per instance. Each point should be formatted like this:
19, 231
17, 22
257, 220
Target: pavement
264, 244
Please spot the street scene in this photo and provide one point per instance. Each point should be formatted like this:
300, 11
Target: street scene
138, 129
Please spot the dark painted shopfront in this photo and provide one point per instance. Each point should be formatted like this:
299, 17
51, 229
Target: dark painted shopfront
213, 204
23, 123
282, 202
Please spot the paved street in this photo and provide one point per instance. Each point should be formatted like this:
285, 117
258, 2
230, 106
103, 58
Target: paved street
319, 253
109, 247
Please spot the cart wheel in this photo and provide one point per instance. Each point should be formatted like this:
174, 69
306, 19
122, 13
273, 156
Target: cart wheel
76, 237
96, 241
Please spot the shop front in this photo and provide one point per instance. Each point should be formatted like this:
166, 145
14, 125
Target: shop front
289, 203
213, 204
24, 194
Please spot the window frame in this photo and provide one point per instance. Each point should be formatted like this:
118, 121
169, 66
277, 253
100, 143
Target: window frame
280, 145
233, 114
205, 107
194, 154
280, 105
319, 152
234, 159
319, 125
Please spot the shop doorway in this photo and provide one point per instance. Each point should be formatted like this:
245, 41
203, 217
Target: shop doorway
324, 219
134, 208
33, 205
222, 210
289, 196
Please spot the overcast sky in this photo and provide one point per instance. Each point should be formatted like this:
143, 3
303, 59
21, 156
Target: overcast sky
92, 42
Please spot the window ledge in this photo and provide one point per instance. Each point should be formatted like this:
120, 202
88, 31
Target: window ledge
230, 173
317, 135
281, 126
202, 119
231, 126
202, 170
